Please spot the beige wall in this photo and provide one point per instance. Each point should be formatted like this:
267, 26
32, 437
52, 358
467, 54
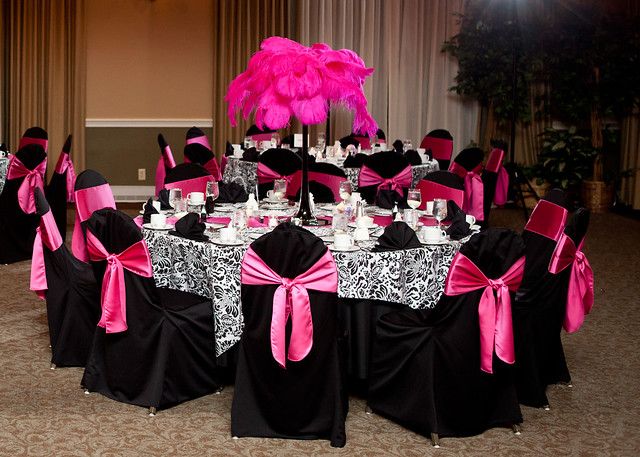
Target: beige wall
149, 59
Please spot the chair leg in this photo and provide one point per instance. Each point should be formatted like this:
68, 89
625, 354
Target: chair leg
52, 366
152, 411
368, 410
516, 429
568, 384
546, 407
219, 390
435, 440
86, 391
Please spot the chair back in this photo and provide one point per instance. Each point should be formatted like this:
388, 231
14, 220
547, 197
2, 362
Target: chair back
189, 177
198, 153
495, 180
468, 165
92, 192
277, 163
441, 184
60, 190
35, 135
376, 174
324, 182
439, 145
165, 162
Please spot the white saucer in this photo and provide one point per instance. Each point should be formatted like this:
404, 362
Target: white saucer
255, 235
148, 226
219, 242
474, 227
162, 211
214, 225
333, 247
274, 200
224, 209
277, 206
371, 227
434, 242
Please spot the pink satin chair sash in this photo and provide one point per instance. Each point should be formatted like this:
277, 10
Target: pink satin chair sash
32, 179
291, 300
547, 219
65, 164
187, 186
113, 296
331, 181
430, 190
25, 140
494, 165
369, 177
266, 175
580, 293
261, 137
494, 309
441, 148
203, 140
47, 234
473, 190
365, 142
87, 201
165, 162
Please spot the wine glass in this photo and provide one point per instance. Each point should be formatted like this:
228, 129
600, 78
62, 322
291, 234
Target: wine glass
321, 142
440, 210
212, 193
239, 220
175, 196
345, 191
279, 189
414, 198
275, 139
406, 145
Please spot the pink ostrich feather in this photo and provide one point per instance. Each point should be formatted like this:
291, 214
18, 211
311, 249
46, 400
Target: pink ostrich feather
287, 79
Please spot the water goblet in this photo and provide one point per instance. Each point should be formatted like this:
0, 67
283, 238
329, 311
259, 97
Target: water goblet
345, 191
440, 210
414, 198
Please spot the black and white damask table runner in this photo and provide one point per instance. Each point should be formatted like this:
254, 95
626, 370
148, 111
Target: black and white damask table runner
4, 165
414, 277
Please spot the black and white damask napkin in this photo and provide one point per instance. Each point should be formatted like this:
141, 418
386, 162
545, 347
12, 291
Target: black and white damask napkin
397, 235
190, 227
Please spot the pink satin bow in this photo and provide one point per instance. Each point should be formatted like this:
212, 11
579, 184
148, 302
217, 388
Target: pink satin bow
32, 179
502, 187
494, 309
47, 234
87, 201
203, 140
65, 164
473, 190
369, 177
266, 175
165, 162
291, 300
580, 294
25, 140
114, 297
547, 219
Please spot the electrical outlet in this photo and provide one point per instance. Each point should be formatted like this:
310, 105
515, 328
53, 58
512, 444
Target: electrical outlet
142, 174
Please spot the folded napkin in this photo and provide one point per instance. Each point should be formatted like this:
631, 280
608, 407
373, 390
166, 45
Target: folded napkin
250, 155
398, 145
231, 192
397, 235
452, 210
148, 211
163, 198
190, 227
459, 227
413, 157
387, 198
228, 151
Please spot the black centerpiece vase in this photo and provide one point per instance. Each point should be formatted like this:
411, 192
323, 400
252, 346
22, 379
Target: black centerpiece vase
305, 214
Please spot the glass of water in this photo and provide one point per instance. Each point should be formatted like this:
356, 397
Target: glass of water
440, 210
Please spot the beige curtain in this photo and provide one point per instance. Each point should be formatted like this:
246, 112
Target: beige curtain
240, 26
408, 92
630, 160
44, 44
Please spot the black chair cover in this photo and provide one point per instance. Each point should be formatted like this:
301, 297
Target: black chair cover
254, 130
167, 355
73, 302
354, 160
470, 158
347, 140
322, 193
197, 153
280, 160
56, 193
425, 370
184, 171
438, 133
413, 157
387, 164
306, 400
538, 313
17, 229
446, 178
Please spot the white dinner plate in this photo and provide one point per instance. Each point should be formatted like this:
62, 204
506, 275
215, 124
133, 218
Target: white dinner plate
162, 211
371, 227
434, 242
214, 225
148, 226
224, 209
219, 242
276, 206
274, 200
333, 247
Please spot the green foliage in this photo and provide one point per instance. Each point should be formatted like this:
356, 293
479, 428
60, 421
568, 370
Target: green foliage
565, 159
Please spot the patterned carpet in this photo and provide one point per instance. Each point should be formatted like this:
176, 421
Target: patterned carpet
44, 412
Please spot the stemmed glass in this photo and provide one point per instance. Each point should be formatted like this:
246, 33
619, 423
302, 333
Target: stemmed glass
414, 199
345, 191
212, 193
406, 145
321, 142
175, 198
440, 210
239, 221
275, 139
279, 189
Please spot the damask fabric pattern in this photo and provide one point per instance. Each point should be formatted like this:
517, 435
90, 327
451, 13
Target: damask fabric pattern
4, 165
245, 173
413, 277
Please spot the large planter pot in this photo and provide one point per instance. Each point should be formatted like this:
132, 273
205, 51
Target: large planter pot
597, 196
540, 189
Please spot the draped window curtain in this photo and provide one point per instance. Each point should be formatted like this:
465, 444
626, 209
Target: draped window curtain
240, 26
44, 72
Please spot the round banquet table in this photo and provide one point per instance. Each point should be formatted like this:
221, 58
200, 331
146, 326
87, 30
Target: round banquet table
245, 173
4, 164
412, 277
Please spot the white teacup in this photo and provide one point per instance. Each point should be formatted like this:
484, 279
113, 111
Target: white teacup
432, 233
361, 234
355, 197
228, 234
470, 219
195, 198
342, 240
364, 222
158, 220
237, 150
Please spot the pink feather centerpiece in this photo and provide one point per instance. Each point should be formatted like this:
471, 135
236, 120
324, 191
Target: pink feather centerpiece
287, 79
